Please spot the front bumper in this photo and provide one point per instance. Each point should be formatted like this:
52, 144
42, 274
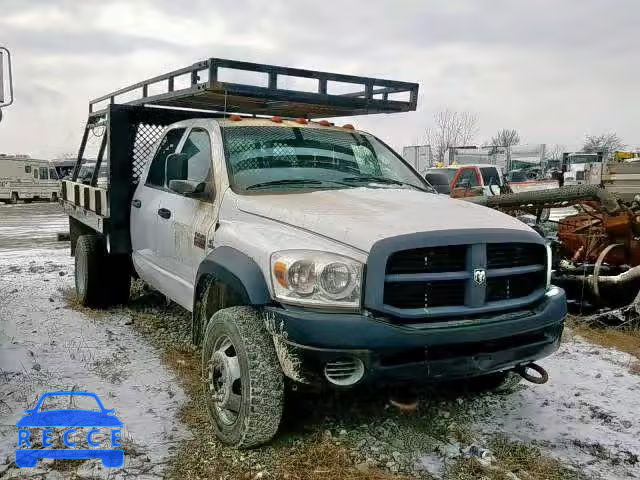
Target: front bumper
391, 352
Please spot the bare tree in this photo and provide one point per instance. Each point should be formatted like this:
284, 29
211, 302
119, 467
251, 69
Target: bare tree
553, 153
506, 138
606, 143
451, 129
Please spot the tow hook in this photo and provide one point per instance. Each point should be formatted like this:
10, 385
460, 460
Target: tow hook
542, 377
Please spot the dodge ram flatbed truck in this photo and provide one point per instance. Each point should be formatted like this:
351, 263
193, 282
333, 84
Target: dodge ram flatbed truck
306, 251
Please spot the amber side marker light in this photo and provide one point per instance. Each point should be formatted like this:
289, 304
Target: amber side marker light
325, 123
302, 121
348, 126
276, 119
280, 272
235, 118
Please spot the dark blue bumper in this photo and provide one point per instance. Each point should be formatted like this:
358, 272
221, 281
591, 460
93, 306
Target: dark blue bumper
421, 352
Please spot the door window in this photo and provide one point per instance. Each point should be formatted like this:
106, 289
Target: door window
52, 174
168, 145
197, 151
44, 173
466, 178
27, 169
35, 173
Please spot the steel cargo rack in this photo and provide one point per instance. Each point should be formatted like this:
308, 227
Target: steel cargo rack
129, 122
203, 86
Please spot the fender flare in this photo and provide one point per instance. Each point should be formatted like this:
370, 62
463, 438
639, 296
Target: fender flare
238, 272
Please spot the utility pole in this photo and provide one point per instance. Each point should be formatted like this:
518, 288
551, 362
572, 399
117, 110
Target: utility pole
6, 79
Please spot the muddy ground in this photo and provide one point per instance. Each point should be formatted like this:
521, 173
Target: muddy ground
582, 424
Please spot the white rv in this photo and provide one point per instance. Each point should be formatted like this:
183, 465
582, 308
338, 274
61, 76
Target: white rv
27, 179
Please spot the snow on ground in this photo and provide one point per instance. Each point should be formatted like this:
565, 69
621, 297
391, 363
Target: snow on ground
45, 347
587, 414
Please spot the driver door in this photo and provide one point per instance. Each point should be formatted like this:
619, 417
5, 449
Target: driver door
466, 183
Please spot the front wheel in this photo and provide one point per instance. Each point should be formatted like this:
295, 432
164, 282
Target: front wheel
242, 381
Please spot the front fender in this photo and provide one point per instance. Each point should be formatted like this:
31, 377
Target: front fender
238, 272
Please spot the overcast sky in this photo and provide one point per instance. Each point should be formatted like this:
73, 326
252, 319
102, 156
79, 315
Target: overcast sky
553, 70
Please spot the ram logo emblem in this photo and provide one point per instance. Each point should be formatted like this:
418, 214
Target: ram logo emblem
479, 276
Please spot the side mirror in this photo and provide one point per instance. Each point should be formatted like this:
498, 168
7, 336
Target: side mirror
176, 167
6, 79
187, 187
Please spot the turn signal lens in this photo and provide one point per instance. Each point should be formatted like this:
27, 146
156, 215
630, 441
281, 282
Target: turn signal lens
276, 119
348, 126
235, 118
325, 123
301, 120
280, 273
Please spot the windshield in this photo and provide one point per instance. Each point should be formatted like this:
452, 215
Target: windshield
282, 158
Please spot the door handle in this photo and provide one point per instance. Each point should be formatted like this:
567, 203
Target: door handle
136, 203
164, 213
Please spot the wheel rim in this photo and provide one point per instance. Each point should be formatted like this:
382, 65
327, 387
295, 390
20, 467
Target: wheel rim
224, 381
81, 267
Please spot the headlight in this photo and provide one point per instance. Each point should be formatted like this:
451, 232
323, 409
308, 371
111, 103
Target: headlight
548, 246
321, 279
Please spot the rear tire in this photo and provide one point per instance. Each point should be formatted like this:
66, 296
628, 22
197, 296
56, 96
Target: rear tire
14, 198
89, 271
54, 197
243, 383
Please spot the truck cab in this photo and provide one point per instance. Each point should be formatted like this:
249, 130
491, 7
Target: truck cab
306, 251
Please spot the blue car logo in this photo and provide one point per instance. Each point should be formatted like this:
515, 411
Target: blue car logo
69, 419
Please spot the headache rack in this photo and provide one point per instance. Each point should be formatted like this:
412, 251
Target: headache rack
128, 123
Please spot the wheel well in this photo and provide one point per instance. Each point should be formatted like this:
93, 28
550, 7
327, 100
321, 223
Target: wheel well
212, 295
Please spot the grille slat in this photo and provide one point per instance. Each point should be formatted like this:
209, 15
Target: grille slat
424, 294
508, 255
428, 260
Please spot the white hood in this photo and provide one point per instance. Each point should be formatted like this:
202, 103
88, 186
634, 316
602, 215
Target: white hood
361, 216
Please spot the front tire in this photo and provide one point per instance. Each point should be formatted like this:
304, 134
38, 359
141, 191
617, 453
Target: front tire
242, 381
14, 198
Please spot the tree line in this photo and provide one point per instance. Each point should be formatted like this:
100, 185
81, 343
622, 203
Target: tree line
456, 129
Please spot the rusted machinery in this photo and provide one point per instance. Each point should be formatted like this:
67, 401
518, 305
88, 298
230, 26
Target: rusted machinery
597, 250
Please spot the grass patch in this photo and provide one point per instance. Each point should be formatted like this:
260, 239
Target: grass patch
512, 458
626, 340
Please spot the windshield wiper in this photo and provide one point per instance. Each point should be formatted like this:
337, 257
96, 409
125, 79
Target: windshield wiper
285, 181
374, 179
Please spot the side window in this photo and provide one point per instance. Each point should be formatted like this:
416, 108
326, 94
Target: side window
467, 177
27, 169
168, 145
52, 174
197, 149
44, 173
35, 173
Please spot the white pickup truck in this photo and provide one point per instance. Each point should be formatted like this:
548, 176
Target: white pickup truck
307, 252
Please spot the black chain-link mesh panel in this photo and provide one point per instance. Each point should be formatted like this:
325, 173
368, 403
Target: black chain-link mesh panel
147, 137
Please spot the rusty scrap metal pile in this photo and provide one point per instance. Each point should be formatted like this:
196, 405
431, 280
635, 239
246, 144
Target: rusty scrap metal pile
596, 250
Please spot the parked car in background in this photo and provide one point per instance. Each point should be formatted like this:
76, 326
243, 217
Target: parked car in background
25, 178
471, 180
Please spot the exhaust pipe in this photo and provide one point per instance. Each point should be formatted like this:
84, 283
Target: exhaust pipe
542, 377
